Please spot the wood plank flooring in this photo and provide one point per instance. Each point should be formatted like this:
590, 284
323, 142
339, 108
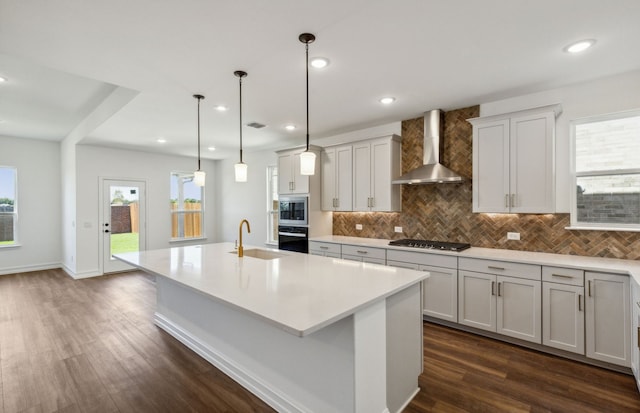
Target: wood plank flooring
91, 346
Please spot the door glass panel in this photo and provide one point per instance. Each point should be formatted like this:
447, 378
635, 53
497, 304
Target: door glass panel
125, 219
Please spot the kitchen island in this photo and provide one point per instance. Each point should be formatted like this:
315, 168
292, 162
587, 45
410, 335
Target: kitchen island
303, 333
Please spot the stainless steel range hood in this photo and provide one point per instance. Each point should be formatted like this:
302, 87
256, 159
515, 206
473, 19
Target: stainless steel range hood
432, 171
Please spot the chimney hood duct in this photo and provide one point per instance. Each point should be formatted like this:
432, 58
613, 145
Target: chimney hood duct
432, 171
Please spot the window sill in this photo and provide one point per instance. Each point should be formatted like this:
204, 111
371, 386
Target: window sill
271, 243
15, 245
181, 240
587, 228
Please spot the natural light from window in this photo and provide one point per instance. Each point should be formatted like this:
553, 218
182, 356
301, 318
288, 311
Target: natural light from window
607, 171
187, 207
8, 206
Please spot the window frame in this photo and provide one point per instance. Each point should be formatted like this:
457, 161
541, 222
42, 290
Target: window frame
173, 212
596, 226
272, 189
14, 213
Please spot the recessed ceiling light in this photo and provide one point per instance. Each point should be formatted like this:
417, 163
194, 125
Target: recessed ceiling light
161, 140
580, 46
3, 79
387, 100
290, 127
319, 62
221, 108
211, 148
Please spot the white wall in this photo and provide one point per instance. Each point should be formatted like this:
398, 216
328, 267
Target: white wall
247, 200
94, 163
607, 95
39, 204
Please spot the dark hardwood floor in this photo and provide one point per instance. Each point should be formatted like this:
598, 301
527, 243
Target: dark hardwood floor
90, 346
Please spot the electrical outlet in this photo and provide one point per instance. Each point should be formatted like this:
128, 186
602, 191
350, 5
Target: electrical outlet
397, 229
513, 236
359, 227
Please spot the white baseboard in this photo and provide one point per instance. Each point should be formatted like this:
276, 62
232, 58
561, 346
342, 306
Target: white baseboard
260, 389
81, 275
29, 268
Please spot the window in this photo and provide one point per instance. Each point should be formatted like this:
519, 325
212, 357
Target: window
607, 172
8, 206
187, 207
272, 204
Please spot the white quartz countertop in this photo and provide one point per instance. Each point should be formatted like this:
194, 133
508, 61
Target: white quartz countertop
300, 293
612, 265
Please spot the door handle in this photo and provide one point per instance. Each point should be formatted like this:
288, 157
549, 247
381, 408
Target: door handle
579, 302
513, 200
499, 295
506, 200
589, 288
493, 288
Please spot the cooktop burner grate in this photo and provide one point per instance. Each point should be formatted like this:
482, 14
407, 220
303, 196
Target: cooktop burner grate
433, 245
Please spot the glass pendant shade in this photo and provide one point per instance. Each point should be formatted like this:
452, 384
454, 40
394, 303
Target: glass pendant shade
241, 171
307, 163
198, 178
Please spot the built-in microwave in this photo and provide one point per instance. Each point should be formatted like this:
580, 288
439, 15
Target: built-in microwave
294, 210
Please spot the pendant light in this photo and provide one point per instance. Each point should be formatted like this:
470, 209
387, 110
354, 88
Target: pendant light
199, 175
240, 167
307, 158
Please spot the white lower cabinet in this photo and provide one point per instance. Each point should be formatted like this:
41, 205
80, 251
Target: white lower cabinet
440, 290
608, 318
563, 308
635, 331
563, 317
508, 303
364, 254
324, 249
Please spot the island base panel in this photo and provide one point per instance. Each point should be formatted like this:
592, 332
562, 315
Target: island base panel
340, 368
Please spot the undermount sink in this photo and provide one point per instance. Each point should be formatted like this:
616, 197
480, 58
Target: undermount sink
260, 253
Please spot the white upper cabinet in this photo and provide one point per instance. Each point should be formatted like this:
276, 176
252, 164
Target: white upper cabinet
513, 162
375, 164
290, 180
337, 178
357, 176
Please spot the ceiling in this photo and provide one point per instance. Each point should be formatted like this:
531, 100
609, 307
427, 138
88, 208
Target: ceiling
62, 59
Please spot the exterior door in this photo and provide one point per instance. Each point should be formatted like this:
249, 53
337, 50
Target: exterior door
123, 225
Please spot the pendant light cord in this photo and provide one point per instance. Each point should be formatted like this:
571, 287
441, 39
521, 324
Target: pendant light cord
199, 98
240, 80
307, 72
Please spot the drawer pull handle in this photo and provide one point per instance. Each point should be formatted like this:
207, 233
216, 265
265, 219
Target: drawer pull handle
362, 252
589, 288
579, 302
493, 288
499, 294
322, 247
506, 200
491, 267
562, 276
638, 337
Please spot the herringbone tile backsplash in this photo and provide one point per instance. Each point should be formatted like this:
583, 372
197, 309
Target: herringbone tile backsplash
443, 212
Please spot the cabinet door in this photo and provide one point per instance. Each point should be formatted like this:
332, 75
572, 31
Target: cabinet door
563, 317
491, 166
328, 190
532, 165
381, 175
519, 308
476, 300
285, 168
361, 176
344, 178
635, 333
440, 293
608, 323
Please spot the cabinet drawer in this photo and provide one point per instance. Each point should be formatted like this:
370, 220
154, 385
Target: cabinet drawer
511, 269
324, 247
423, 258
359, 251
570, 276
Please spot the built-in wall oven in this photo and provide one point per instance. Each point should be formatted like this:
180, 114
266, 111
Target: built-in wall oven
293, 230
292, 238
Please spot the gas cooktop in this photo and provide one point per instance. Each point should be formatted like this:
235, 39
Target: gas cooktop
433, 245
